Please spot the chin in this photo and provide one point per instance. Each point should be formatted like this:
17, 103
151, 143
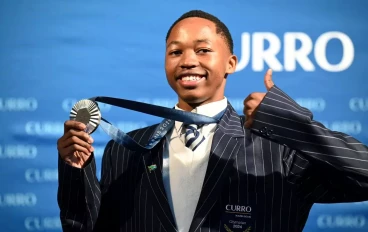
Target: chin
193, 98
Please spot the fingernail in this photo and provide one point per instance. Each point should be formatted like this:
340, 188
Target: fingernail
90, 140
91, 149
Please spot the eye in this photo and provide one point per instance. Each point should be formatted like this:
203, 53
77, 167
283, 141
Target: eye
203, 50
175, 53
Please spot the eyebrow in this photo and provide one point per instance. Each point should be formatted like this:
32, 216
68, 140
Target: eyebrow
175, 42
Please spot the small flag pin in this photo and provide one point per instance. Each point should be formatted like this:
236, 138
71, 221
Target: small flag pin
152, 167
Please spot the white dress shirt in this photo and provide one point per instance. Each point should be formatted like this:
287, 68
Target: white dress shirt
185, 169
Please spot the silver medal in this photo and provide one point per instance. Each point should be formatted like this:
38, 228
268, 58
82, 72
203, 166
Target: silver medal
87, 112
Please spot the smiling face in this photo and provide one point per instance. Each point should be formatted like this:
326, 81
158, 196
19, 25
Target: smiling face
196, 62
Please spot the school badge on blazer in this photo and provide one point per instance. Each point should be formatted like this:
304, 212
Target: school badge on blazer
238, 218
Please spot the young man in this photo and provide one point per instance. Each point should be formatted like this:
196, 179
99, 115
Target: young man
262, 177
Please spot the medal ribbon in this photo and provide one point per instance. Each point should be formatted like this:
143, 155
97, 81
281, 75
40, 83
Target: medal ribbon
170, 116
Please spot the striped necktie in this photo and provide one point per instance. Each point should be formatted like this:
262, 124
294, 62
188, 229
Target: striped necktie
192, 136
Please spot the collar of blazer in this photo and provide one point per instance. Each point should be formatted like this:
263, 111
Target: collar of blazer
231, 123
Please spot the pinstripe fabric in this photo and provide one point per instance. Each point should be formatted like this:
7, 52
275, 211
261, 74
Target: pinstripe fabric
281, 167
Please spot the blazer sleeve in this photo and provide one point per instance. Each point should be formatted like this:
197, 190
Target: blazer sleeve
80, 193
340, 162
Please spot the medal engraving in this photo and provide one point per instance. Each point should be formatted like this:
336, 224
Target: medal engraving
88, 113
83, 116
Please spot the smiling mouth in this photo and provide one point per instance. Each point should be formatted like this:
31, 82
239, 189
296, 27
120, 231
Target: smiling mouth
191, 77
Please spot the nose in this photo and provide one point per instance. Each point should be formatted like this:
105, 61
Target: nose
189, 60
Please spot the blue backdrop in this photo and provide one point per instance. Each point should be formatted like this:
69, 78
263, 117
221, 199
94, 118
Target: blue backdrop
53, 53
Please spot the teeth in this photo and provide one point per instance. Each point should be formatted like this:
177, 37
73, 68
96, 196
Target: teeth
191, 78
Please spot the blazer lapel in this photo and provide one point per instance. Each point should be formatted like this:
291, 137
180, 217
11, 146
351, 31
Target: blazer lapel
156, 190
224, 148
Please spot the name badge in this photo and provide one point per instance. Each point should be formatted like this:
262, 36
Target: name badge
236, 217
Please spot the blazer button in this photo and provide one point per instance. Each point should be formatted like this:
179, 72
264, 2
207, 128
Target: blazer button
263, 130
269, 132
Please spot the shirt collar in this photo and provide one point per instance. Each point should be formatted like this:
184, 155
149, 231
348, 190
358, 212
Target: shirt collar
210, 109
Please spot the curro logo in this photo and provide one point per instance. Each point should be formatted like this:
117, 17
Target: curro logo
18, 199
253, 51
357, 104
18, 104
238, 208
42, 224
18, 151
41, 175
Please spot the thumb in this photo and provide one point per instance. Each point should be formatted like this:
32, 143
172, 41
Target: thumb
268, 80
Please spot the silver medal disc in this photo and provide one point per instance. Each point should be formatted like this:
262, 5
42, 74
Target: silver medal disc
87, 112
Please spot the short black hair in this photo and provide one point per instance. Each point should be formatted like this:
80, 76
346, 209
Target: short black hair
221, 28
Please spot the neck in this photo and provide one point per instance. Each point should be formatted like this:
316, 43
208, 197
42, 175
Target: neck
189, 106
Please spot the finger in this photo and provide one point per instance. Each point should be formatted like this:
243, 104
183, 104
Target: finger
73, 148
251, 104
246, 109
76, 140
64, 145
254, 96
81, 156
68, 159
247, 99
72, 124
249, 113
248, 123
268, 80
72, 159
80, 134
75, 160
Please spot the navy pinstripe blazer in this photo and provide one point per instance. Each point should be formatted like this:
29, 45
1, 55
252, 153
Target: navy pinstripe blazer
280, 168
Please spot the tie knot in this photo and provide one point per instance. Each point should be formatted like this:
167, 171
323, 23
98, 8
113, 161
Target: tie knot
192, 136
191, 127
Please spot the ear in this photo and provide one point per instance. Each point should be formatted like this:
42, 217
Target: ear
231, 64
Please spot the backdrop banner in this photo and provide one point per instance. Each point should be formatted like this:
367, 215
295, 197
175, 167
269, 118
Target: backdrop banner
54, 53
